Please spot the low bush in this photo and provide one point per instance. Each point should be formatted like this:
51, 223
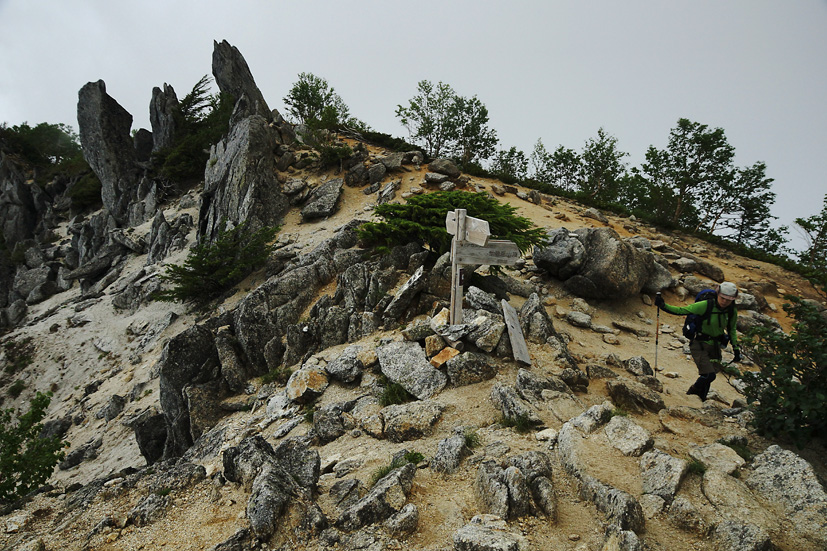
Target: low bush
382, 472
19, 355
696, 467
212, 268
521, 423
788, 392
394, 393
472, 439
26, 459
423, 218
17, 388
278, 375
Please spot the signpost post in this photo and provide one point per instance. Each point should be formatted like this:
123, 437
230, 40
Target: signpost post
471, 245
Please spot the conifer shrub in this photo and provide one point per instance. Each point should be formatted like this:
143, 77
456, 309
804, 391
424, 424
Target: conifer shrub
423, 218
788, 392
212, 268
26, 459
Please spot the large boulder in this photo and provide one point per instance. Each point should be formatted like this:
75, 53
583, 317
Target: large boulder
240, 182
595, 263
324, 200
188, 359
790, 486
405, 363
104, 128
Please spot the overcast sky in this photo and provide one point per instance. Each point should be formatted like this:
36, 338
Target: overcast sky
545, 69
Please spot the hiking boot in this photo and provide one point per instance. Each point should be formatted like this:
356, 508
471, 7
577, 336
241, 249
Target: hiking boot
693, 390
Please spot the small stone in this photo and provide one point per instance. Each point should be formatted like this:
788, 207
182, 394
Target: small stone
574, 537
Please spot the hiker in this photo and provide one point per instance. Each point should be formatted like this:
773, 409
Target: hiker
715, 328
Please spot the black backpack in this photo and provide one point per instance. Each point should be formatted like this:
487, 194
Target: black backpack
692, 324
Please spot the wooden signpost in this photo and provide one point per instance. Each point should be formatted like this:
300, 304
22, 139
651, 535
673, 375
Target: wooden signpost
471, 245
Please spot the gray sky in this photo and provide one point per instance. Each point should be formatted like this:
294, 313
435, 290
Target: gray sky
553, 70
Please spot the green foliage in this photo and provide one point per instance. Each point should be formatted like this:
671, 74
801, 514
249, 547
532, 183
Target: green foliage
212, 268
26, 460
333, 155
510, 166
278, 375
19, 355
602, 166
383, 471
394, 393
743, 451
312, 99
201, 121
41, 146
17, 388
472, 439
448, 124
788, 393
696, 467
163, 492
53, 150
423, 218
387, 141
521, 423
619, 412
814, 258
561, 169
85, 191
309, 413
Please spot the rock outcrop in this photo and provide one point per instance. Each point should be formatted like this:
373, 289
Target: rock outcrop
104, 128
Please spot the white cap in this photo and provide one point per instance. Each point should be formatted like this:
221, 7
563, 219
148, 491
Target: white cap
728, 290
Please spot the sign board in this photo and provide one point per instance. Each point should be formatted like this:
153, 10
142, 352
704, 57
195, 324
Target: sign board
476, 229
496, 253
515, 334
471, 245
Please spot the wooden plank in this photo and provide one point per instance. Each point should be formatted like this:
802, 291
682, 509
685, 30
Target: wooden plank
515, 333
496, 253
477, 230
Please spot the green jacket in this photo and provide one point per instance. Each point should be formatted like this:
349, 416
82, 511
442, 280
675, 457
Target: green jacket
717, 323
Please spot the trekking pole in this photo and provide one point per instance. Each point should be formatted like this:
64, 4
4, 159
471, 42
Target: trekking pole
657, 335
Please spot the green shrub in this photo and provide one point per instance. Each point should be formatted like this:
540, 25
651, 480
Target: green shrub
201, 121
17, 388
19, 355
472, 439
278, 375
309, 413
394, 393
743, 451
382, 472
618, 411
788, 392
423, 218
521, 423
26, 460
212, 268
388, 142
333, 155
696, 467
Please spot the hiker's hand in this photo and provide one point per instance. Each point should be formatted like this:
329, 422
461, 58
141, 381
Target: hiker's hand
736, 358
659, 302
